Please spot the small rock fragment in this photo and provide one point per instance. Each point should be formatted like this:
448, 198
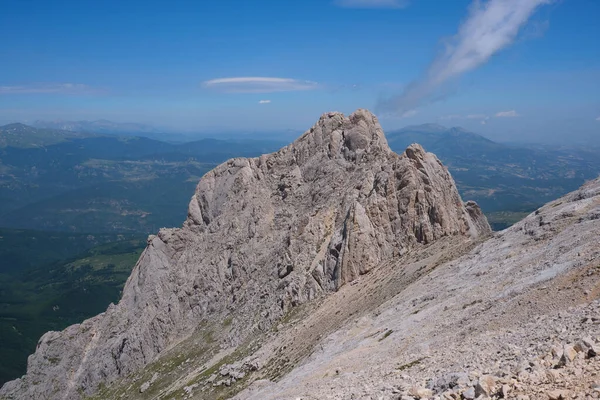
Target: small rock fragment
558, 395
504, 391
145, 386
485, 386
420, 393
469, 394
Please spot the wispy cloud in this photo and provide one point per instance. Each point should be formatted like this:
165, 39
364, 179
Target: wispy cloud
483, 119
264, 102
507, 114
469, 116
598, 119
451, 116
490, 27
259, 85
477, 116
408, 114
50, 88
372, 3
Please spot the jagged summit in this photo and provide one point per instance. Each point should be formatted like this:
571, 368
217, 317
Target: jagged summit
347, 137
263, 235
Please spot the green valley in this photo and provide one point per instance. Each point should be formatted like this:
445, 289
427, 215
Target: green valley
42, 296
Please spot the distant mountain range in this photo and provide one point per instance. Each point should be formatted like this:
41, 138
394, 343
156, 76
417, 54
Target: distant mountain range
36, 164
61, 180
24, 136
105, 127
507, 181
101, 126
442, 140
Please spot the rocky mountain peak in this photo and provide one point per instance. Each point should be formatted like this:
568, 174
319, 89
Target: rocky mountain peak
263, 235
356, 138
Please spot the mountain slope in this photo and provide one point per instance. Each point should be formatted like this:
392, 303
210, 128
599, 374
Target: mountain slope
502, 315
516, 315
263, 236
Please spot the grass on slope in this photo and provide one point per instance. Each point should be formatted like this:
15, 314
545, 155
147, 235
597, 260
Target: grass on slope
504, 219
134, 207
55, 296
22, 249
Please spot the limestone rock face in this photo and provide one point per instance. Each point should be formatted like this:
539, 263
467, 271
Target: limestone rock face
262, 235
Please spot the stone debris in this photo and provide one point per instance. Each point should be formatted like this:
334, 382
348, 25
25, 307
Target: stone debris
537, 373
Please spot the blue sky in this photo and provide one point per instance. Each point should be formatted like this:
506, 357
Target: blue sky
510, 69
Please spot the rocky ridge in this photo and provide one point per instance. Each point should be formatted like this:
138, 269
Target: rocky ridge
263, 236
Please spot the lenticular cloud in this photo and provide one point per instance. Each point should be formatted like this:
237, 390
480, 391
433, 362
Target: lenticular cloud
258, 85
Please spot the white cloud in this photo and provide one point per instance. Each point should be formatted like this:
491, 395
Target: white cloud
409, 113
490, 27
507, 114
49, 88
372, 3
481, 117
264, 102
598, 119
452, 116
259, 85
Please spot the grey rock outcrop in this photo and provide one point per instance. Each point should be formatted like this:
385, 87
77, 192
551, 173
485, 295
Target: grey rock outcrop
262, 236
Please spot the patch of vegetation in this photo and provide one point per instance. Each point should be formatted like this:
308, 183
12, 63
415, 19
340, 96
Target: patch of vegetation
23, 249
500, 220
181, 362
56, 295
225, 392
410, 364
465, 306
386, 334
